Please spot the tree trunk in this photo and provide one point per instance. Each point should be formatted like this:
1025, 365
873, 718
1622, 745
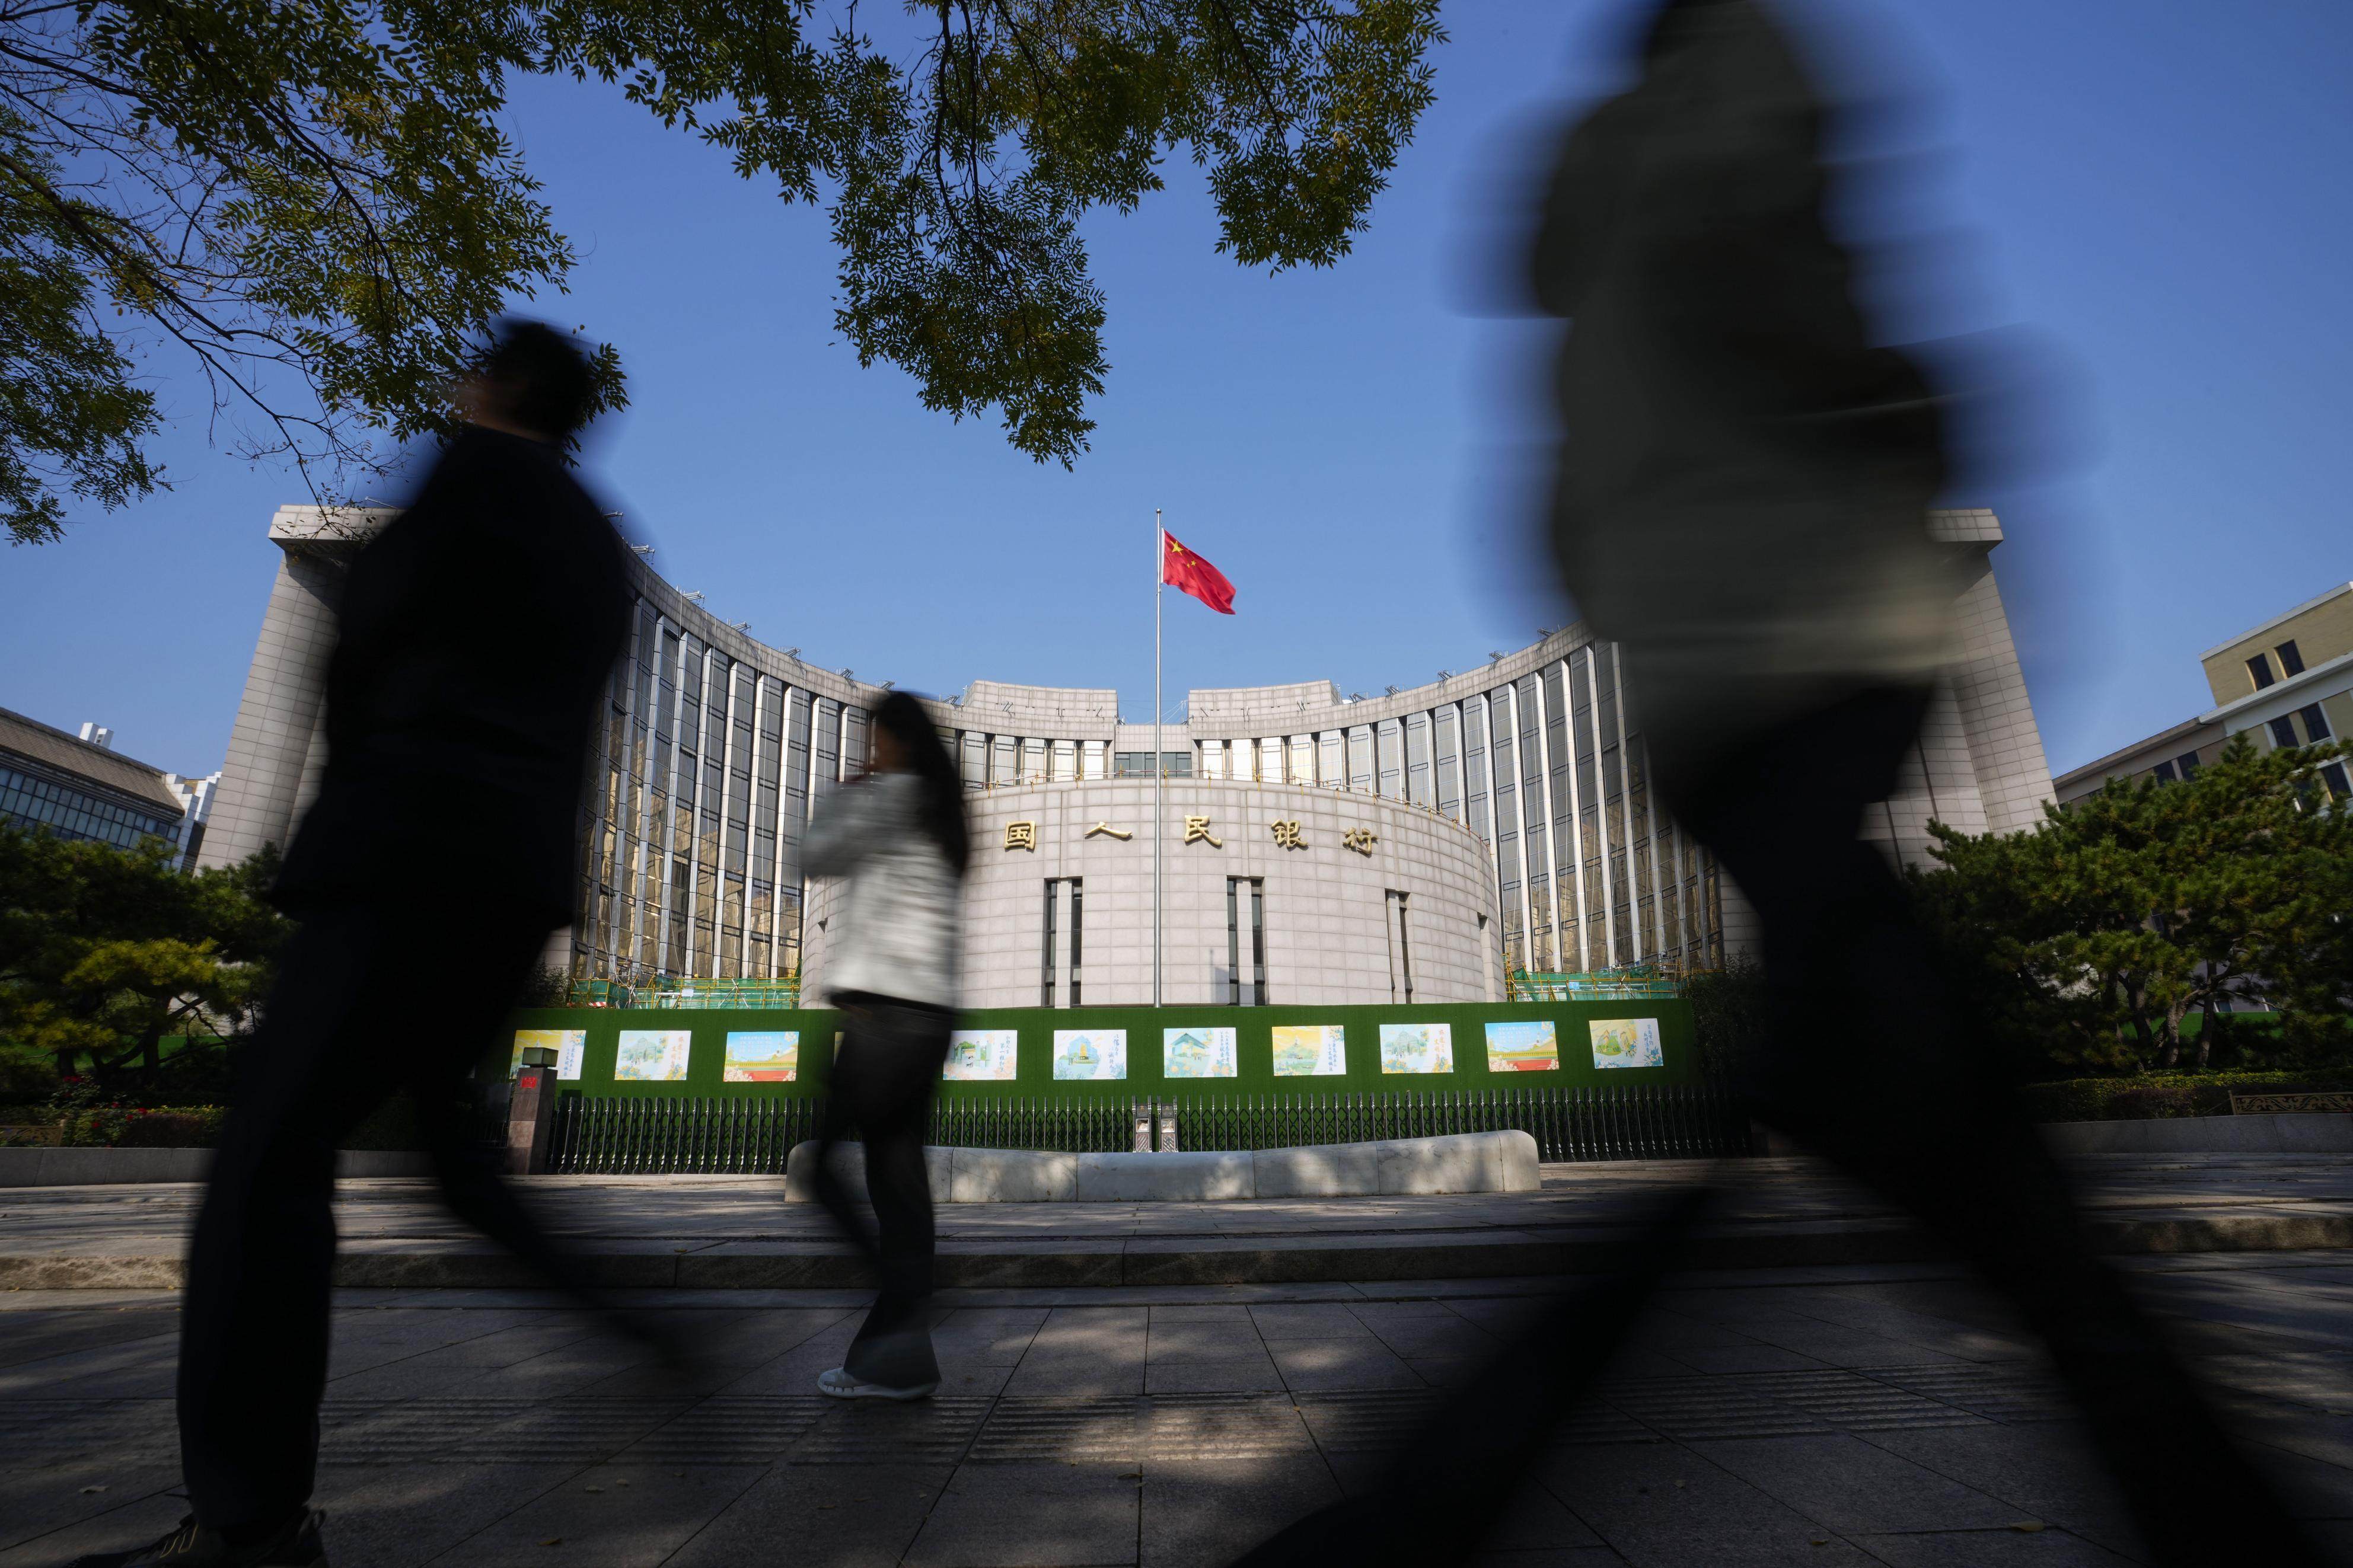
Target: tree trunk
2206, 1032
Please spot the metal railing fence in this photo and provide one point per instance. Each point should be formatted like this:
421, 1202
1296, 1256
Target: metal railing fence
657, 1135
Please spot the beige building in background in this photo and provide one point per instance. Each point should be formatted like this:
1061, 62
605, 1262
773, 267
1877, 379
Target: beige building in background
1426, 842
2288, 682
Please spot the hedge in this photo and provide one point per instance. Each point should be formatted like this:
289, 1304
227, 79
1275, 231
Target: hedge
2154, 1095
392, 1125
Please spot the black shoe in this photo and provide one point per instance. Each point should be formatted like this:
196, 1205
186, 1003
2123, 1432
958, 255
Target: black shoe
194, 1545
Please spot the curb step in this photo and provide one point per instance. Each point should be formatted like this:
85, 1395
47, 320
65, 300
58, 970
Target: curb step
1082, 1264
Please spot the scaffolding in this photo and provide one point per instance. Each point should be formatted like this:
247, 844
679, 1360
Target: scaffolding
1629, 983
690, 992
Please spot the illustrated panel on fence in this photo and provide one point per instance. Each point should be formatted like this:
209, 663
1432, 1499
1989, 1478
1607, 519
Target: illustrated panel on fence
1417, 1047
1311, 1050
1091, 1054
762, 1055
654, 1055
1626, 1043
569, 1046
1197, 1053
982, 1054
1523, 1046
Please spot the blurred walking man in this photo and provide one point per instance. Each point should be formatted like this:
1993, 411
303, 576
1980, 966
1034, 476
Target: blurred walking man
478, 629
1744, 480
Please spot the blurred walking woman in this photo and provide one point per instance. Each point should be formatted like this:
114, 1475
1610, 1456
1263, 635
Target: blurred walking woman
898, 837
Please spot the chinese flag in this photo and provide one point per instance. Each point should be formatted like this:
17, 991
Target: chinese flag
1181, 568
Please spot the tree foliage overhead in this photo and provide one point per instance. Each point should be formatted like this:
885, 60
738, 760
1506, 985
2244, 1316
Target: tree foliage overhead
2089, 941
316, 201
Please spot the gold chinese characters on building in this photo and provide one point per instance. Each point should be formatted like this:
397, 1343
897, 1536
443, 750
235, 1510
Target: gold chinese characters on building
1360, 840
1286, 836
1106, 828
1021, 836
1197, 828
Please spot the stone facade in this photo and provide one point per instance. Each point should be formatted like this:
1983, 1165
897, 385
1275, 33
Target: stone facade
1333, 927
1509, 807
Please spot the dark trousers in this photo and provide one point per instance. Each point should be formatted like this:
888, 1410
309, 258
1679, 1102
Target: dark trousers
891, 1053
354, 1016
1872, 1066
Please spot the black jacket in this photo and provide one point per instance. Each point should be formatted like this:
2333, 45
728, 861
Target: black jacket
479, 630
1744, 472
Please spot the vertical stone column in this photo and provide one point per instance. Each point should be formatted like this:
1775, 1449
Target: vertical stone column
278, 721
2005, 745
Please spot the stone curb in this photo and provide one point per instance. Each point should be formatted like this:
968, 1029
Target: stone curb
773, 1266
1501, 1161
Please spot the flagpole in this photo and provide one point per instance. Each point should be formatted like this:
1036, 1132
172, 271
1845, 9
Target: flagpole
1159, 763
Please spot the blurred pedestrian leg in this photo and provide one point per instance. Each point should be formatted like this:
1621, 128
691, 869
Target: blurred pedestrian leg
342, 1032
895, 843
1741, 508
891, 1054
478, 631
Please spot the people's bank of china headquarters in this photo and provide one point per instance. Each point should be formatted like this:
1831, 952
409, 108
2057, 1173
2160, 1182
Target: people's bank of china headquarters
1424, 846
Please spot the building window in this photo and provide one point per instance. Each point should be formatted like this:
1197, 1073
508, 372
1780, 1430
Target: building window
2188, 763
2333, 775
2260, 669
1046, 946
2283, 730
2316, 724
1139, 764
2164, 772
1401, 950
2291, 659
1060, 916
1245, 941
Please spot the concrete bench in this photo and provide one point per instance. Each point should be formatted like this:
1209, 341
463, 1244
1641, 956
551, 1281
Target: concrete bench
1460, 1163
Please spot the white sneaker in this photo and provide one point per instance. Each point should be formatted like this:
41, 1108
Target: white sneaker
841, 1385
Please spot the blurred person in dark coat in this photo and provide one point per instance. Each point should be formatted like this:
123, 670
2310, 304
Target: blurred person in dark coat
1743, 482
478, 629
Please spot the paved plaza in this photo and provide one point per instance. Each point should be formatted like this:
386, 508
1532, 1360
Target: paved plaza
1854, 1414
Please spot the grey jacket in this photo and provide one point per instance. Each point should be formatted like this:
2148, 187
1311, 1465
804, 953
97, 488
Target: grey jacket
896, 930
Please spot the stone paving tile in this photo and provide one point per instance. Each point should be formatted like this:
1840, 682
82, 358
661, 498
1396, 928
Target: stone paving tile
595, 1519
1747, 1358
1018, 1515
1840, 1480
987, 1336
401, 1516
1324, 1366
2047, 1471
38, 1336
1225, 1374
1669, 1506
1309, 1321
1196, 1338
1204, 1513
1993, 1549
132, 1522
835, 1516
1085, 1351
37, 1499
1550, 1557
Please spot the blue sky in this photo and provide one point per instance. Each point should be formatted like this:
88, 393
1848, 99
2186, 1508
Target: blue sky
2156, 188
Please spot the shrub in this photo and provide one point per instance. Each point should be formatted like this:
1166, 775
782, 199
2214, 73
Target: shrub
2165, 1094
120, 1127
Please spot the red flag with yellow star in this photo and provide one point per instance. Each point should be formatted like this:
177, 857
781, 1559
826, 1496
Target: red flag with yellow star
1180, 568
